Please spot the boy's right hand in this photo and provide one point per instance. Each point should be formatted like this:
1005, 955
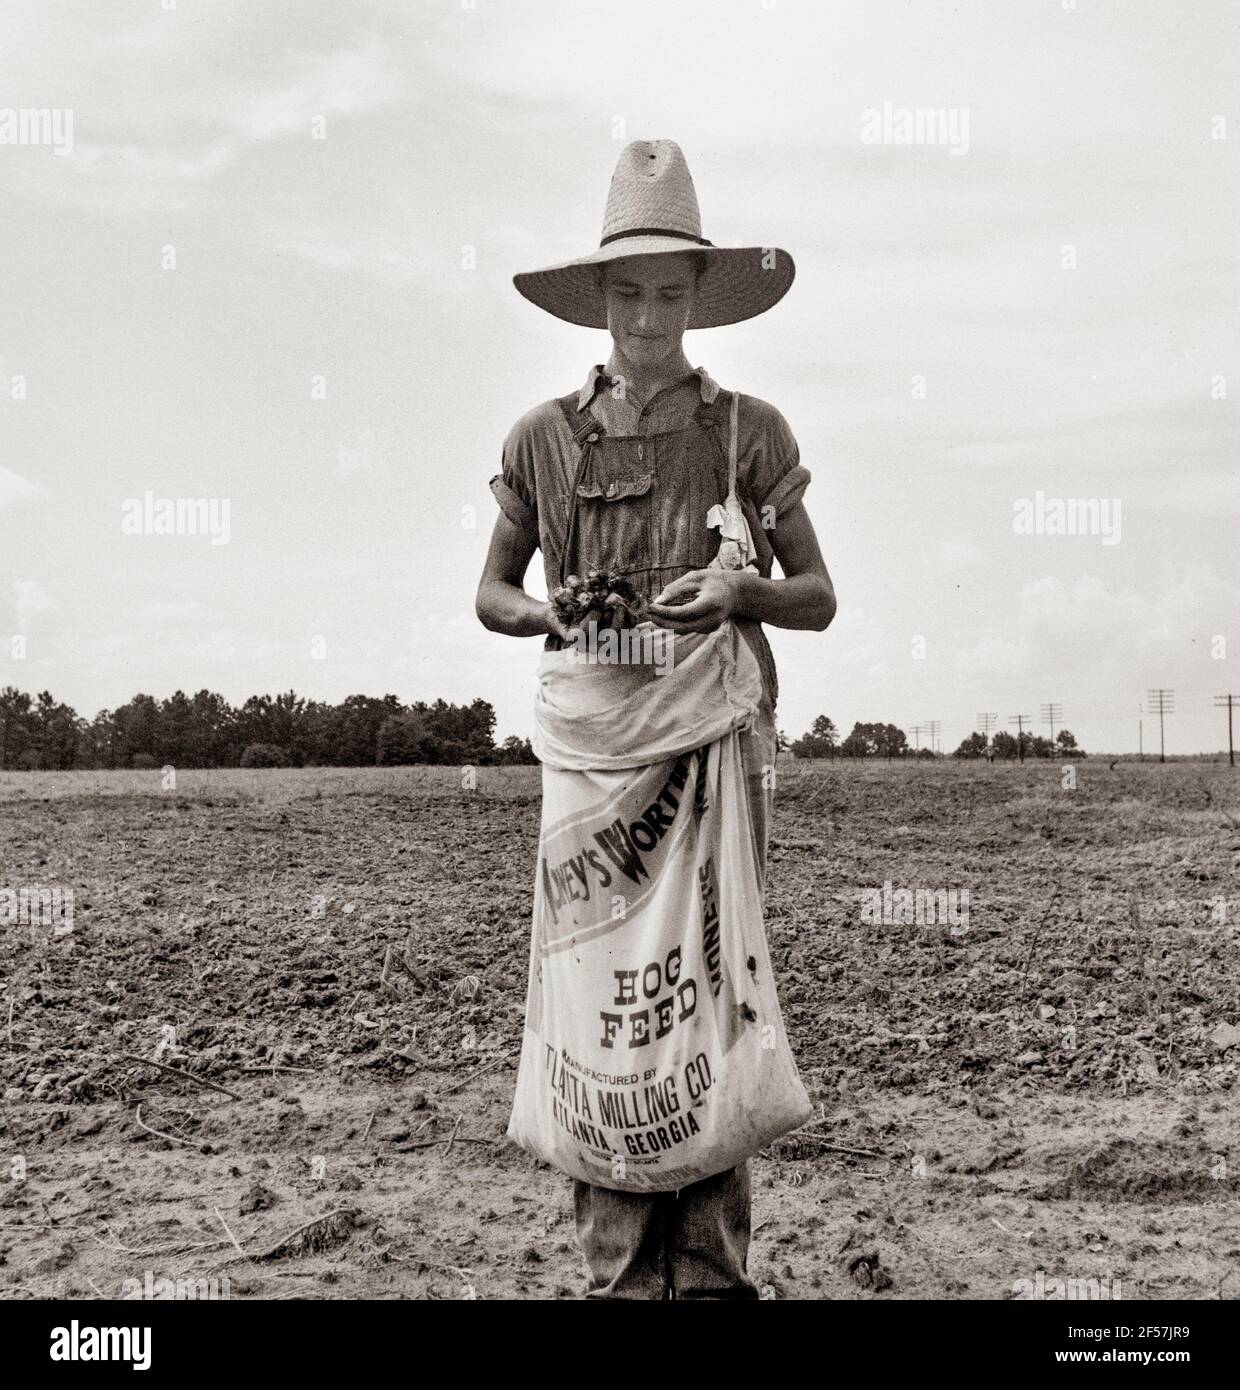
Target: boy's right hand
555, 624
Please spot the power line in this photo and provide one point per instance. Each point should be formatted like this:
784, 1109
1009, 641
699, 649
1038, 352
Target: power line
1052, 714
1020, 720
1219, 701
932, 729
1161, 702
987, 722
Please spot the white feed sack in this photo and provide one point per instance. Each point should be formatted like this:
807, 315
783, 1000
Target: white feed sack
654, 1052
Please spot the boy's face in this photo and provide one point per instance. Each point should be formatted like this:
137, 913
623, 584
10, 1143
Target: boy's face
649, 300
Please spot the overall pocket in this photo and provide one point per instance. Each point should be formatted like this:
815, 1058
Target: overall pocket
613, 504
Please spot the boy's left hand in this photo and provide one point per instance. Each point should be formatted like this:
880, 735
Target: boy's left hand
696, 602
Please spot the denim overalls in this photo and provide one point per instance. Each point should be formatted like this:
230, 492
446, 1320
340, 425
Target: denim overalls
638, 505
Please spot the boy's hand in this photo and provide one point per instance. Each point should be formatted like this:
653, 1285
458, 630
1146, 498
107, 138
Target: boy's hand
556, 625
698, 601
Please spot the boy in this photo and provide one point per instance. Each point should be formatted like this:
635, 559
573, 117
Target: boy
626, 470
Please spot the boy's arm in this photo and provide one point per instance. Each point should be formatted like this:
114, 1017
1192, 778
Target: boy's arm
502, 605
804, 598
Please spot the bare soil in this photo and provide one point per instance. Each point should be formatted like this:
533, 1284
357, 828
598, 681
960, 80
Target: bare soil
1044, 1091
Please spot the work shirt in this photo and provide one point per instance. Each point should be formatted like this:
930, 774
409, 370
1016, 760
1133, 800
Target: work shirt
652, 494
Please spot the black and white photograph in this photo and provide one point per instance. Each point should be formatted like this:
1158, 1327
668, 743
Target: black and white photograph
618, 666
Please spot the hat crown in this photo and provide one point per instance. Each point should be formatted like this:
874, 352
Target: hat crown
652, 189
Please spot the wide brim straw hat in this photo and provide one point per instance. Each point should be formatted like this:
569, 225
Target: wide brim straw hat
652, 210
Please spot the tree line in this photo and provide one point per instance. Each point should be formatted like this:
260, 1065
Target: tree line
204, 730
886, 741
286, 730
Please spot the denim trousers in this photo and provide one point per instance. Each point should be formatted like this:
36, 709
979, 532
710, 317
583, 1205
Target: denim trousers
692, 1243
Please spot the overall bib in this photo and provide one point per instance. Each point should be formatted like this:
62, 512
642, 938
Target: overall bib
638, 505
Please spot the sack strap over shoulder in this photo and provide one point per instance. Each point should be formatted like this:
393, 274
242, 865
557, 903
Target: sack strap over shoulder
725, 403
733, 411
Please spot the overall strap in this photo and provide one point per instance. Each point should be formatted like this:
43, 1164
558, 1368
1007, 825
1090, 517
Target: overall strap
586, 431
581, 422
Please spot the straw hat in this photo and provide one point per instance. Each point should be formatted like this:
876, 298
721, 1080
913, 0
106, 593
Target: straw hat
652, 209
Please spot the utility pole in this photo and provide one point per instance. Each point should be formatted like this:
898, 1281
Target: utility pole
986, 723
1141, 739
1020, 720
917, 730
932, 728
1219, 700
1161, 702
1052, 714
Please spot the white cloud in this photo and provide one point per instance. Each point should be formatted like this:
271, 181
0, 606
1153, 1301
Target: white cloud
362, 456
29, 596
958, 554
136, 162
349, 83
1099, 640
366, 255
15, 488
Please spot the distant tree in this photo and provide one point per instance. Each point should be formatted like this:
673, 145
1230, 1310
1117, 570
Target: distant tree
212, 735
277, 721
892, 742
515, 751
860, 742
137, 729
206, 731
175, 728
404, 738
1067, 744
875, 740
15, 726
263, 755
355, 727
972, 747
822, 741
1004, 745
856, 745
460, 733
55, 730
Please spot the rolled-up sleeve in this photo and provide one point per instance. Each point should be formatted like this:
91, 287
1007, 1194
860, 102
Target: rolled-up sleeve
513, 486
517, 511
776, 477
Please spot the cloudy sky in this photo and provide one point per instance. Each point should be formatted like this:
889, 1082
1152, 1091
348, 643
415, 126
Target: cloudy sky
260, 195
